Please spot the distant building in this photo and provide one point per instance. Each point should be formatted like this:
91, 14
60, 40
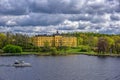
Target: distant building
55, 40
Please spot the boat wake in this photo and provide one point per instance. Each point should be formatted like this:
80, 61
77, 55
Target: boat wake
17, 63
6, 65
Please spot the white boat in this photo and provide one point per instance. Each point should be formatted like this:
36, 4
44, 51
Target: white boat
21, 64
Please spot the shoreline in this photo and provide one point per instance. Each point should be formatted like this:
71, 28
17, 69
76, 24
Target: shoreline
104, 55
61, 54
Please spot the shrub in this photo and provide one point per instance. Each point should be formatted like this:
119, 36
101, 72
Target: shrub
12, 49
54, 51
45, 49
1, 51
64, 48
84, 48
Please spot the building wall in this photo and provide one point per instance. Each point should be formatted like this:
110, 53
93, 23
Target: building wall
56, 41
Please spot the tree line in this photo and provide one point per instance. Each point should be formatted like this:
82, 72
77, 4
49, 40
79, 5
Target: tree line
21, 40
100, 43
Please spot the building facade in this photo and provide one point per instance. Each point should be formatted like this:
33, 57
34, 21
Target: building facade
55, 41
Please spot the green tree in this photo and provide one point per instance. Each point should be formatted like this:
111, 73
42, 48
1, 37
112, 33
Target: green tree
9, 38
92, 41
12, 49
46, 47
110, 43
80, 41
117, 46
2, 40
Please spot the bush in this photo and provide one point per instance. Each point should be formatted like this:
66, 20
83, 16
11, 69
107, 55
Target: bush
1, 51
45, 49
84, 48
54, 51
12, 49
64, 48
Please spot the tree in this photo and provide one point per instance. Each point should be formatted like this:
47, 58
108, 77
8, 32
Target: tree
24, 41
92, 41
85, 39
102, 45
9, 38
2, 40
110, 44
12, 49
117, 46
80, 41
46, 47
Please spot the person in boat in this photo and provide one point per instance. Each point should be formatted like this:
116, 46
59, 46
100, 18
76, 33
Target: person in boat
19, 61
16, 62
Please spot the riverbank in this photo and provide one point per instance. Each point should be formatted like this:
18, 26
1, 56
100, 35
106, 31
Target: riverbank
60, 54
105, 55
101, 55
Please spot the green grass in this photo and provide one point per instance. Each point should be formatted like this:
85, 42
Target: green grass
73, 50
29, 53
70, 51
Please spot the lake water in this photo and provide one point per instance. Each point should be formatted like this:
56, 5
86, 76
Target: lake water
77, 67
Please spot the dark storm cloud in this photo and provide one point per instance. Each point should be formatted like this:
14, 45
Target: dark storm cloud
57, 6
83, 17
82, 26
40, 19
2, 23
115, 17
18, 7
13, 7
97, 19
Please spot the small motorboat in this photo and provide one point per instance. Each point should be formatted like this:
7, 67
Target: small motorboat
21, 63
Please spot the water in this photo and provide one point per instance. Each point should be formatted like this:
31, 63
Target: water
79, 67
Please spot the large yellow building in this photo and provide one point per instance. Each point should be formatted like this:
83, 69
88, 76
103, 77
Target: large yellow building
55, 40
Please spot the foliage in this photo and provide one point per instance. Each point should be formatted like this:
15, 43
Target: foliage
63, 48
54, 51
84, 48
45, 49
101, 43
1, 51
2, 40
117, 46
12, 49
86, 41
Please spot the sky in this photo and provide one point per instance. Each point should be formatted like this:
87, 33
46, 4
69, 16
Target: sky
48, 16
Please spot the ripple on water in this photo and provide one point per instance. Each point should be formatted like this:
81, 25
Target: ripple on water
80, 67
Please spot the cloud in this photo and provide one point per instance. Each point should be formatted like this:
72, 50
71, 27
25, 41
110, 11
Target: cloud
35, 19
47, 16
13, 7
11, 23
57, 6
68, 25
78, 17
115, 17
98, 19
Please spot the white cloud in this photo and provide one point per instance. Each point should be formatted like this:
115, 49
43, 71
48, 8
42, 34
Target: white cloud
11, 23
